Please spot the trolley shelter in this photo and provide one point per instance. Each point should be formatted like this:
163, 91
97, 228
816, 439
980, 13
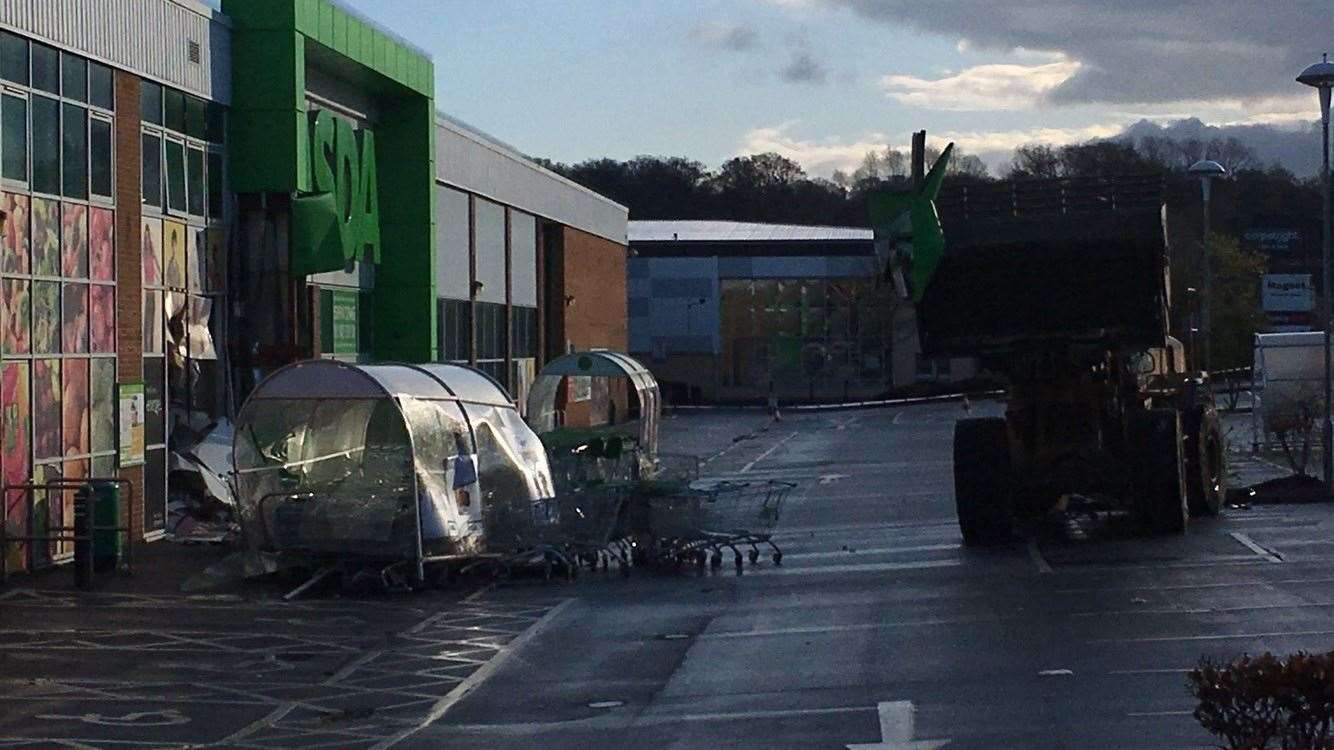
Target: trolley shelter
390, 462
572, 371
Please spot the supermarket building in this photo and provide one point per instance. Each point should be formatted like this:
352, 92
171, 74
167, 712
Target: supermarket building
194, 197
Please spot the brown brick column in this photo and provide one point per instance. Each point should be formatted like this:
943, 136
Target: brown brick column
129, 271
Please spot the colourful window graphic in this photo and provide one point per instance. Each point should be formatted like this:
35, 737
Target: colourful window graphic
15, 426
45, 237
102, 387
173, 273
75, 403
217, 260
152, 252
46, 388
195, 259
102, 244
152, 322
14, 249
45, 317
15, 309
102, 318
74, 241
74, 319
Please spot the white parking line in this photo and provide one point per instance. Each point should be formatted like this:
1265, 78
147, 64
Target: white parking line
1221, 637
1189, 586
1251, 545
476, 678
767, 453
861, 627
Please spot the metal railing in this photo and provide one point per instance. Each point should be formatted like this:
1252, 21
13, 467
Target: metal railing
83, 563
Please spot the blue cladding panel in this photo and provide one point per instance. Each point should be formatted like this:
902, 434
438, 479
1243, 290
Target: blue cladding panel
682, 288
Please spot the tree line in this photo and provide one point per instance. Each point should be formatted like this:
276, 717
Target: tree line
769, 187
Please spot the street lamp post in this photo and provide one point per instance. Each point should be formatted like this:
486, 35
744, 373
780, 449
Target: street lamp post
1207, 171
1321, 77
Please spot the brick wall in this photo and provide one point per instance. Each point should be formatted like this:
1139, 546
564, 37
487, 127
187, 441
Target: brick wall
129, 273
594, 275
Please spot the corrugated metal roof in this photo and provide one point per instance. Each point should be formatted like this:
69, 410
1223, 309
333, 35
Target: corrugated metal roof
740, 231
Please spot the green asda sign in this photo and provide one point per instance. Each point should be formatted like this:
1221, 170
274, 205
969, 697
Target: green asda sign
338, 222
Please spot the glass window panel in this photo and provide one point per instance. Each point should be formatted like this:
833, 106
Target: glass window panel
75, 139
74, 401
451, 243
102, 319
102, 395
14, 137
214, 185
174, 244
152, 169
216, 260
150, 102
99, 150
45, 237
45, 68
46, 389
173, 106
175, 175
151, 252
196, 118
74, 319
155, 490
195, 180
45, 145
152, 321
74, 240
15, 316
217, 123
155, 401
490, 237
13, 58
14, 252
15, 436
45, 317
102, 244
101, 87
73, 77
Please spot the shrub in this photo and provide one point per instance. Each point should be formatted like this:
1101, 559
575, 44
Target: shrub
1263, 702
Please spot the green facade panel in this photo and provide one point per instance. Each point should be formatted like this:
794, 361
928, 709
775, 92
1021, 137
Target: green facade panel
270, 149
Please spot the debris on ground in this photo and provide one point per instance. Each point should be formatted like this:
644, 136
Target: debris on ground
1296, 488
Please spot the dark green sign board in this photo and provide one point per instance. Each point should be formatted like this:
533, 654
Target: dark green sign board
339, 221
340, 322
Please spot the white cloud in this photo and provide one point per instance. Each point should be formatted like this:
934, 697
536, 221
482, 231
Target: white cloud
1004, 141
982, 87
816, 157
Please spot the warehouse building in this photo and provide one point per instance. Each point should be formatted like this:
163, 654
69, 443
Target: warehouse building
194, 197
735, 311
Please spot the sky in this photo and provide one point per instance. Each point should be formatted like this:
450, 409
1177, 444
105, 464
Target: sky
824, 81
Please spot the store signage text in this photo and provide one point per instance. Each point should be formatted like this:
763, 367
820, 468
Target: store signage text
343, 163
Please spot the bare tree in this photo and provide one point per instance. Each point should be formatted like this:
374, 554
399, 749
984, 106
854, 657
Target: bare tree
1035, 160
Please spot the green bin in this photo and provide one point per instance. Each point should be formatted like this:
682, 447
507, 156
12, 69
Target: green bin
107, 544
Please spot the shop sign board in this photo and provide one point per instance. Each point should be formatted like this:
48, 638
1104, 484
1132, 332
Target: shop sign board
130, 397
343, 316
1287, 292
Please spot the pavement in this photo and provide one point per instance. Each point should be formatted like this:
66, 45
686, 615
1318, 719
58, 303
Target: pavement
879, 629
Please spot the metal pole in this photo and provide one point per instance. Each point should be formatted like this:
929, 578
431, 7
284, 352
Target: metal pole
1207, 317
1327, 442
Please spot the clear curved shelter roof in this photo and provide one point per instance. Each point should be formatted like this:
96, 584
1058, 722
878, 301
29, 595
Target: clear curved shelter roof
596, 363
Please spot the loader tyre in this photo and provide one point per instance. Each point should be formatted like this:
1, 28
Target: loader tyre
1206, 468
983, 481
1163, 503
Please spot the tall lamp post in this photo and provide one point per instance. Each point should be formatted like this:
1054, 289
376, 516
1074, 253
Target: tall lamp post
1207, 171
1321, 77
